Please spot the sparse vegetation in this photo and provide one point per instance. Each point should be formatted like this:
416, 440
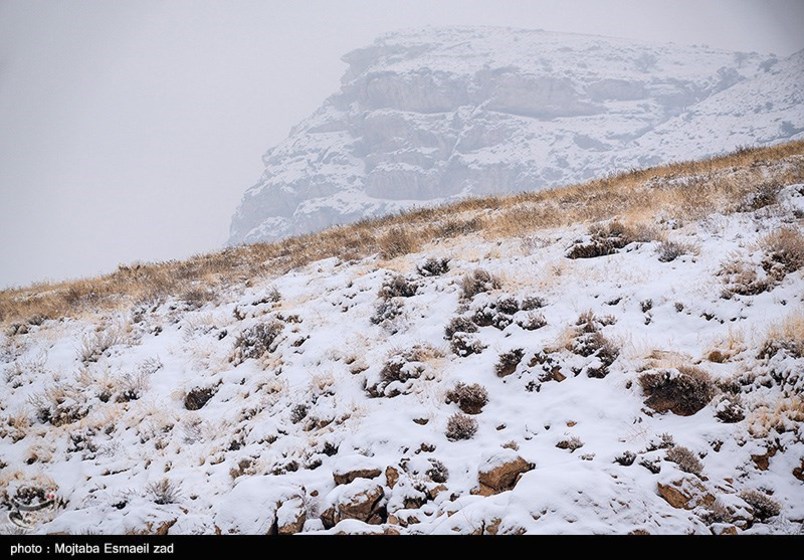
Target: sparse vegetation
478, 282
433, 267
685, 459
787, 336
763, 505
197, 397
572, 444
398, 286
607, 239
257, 341
163, 492
683, 391
460, 426
470, 398
509, 361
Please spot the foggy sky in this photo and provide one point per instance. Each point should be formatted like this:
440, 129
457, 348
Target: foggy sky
129, 130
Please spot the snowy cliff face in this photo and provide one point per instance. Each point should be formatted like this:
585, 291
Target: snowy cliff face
429, 116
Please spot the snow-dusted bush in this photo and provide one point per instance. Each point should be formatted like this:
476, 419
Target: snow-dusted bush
607, 239
787, 336
531, 321
478, 282
765, 194
163, 492
95, 345
59, 405
470, 398
683, 391
437, 472
465, 344
764, 506
398, 286
433, 267
496, 313
256, 341
729, 409
459, 324
571, 444
685, 459
784, 252
509, 361
460, 426
386, 311
626, 458
197, 397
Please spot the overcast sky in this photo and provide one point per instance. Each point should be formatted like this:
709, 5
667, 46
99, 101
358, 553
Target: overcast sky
129, 130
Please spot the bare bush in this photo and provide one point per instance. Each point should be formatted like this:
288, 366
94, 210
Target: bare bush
465, 344
509, 361
671, 250
478, 282
784, 252
531, 321
95, 345
608, 239
437, 472
571, 444
470, 398
685, 459
683, 391
433, 267
398, 286
256, 342
459, 324
787, 336
461, 426
764, 195
763, 505
163, 492
197, 397
397, 242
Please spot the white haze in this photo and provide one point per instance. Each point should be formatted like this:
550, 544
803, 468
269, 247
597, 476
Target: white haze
130, 129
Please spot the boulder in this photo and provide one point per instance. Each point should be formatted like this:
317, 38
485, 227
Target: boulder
290, 517
501, 471
361, 500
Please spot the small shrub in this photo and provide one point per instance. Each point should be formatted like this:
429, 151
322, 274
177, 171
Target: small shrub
532, 321
95, 345
784, 252
572, 444
470, 398
763, 505
198, 397
465, 344
685, 459
787, 336
433, 267
608, 239
684, 391
730, 409
454, 228
459, 325
257, 341
386, 311
509, 361
498, 313
298, 413
670, 250
398, 286
437, 472
461, 426
653, 465
626, 458
529, 303
196, 297
397, 242
764, 195
163, 492
478, 282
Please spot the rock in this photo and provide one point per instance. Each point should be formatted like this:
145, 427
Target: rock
501, 471
391, 476
350, 468
291, 516
762, 462
798, 472
724, 529
361, 500
350, 476
686, 493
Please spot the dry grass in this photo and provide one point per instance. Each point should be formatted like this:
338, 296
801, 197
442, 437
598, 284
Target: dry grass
718, 184
788, 336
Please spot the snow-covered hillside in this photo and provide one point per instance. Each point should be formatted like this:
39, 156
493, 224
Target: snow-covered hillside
434, 115
623, 356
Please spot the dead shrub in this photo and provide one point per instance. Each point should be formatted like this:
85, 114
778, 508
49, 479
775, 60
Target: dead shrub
397, 242
197, 397
508, 362
465, 344
96, 344
570, 444
459, 324
438, 471
764, 195
470, 398
256, 342
683, 391
787, 336
477, 282
456, 227
531, 321
671, 250
433, 267
763, 505
460, 426
608, 239
59, 405
398, 286
386, 311
784, 252
163, 492
729, 409
685, 459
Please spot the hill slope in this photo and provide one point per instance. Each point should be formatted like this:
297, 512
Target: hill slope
632, 347
424, 117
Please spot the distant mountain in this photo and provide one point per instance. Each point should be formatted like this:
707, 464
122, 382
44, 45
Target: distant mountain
433, 115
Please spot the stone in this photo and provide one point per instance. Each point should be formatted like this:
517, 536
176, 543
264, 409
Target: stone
798, 472
291, 516
342, 478
391, 476
502, 471
360, 501
686, 493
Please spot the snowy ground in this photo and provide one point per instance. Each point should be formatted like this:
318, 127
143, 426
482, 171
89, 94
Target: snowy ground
157, 419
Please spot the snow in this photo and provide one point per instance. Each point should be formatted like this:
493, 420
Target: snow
277, 428
432, 115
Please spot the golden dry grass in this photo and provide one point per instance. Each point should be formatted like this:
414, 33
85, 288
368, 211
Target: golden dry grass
634, 197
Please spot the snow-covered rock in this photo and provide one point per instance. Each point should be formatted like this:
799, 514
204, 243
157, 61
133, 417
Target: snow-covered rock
428, 116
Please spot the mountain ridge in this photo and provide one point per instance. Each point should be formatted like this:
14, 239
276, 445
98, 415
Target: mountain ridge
425, 117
